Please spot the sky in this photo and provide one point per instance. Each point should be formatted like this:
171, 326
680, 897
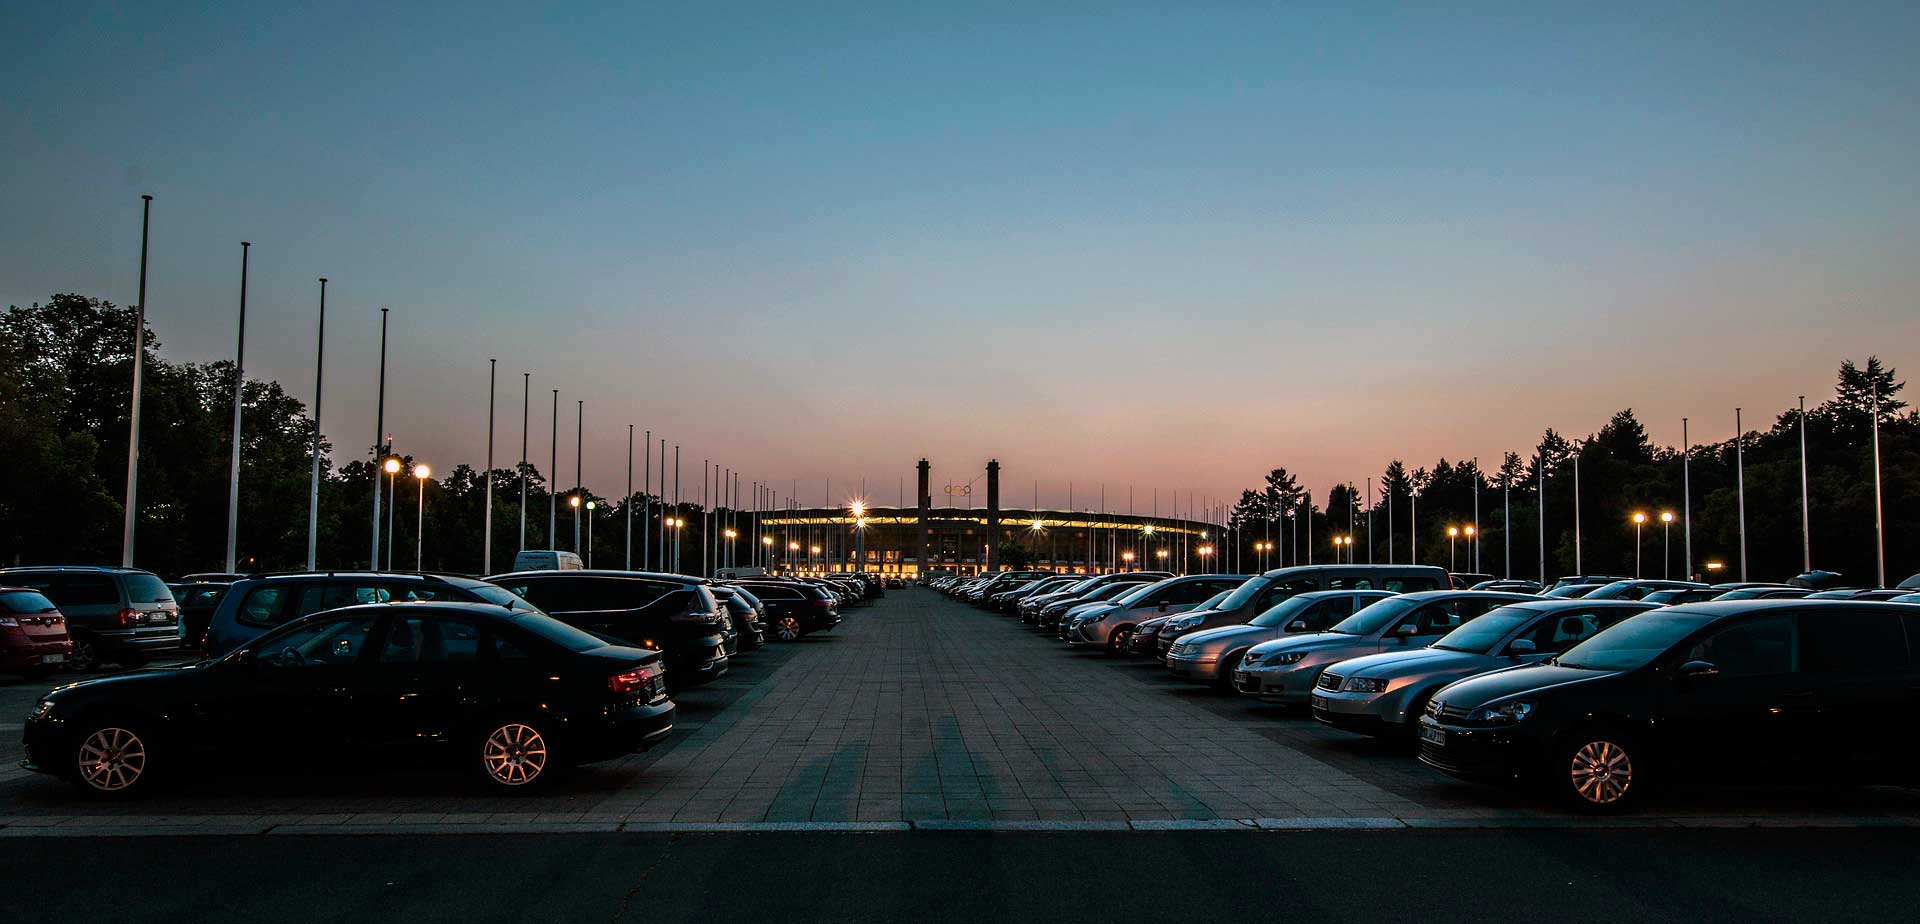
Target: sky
1166, 246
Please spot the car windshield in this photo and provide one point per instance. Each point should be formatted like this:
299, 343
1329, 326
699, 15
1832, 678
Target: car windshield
1280, 613
1211, 602
1375, 617
1106, 590
1613, 591
1480, 635
1632, 642
1245, 593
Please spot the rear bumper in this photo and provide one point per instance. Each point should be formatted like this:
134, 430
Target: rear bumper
158, 638
633, 729
32, 655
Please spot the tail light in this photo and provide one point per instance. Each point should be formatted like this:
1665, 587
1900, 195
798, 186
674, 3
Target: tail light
129, 617
636, 680
823, 604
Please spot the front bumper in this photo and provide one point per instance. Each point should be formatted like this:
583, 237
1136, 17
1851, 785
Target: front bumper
1195, 667
1354, 712
1479, 754
1290, 684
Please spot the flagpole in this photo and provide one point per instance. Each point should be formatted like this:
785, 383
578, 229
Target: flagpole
239, 387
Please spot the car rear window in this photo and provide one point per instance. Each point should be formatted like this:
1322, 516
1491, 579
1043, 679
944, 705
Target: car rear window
147, 588
557, 632
25, 602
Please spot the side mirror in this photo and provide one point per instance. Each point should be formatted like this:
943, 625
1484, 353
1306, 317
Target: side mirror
1407, 628
1698, 670
1298, 625
240, 658
1521, 646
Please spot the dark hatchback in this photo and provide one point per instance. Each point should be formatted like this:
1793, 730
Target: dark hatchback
1753, 691
794, 609
670, 613
509, 696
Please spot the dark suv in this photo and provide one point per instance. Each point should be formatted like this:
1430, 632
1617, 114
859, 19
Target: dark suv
1750, 691
794, 609
257, 604
123, 615
670, 613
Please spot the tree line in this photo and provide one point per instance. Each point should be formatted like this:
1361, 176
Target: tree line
1620, 473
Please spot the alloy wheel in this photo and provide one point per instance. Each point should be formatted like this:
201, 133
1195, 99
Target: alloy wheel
112, 759
83, 658
1601, 772
515, 754
788, 628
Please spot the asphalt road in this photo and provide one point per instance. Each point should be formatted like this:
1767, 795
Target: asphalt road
1614, 876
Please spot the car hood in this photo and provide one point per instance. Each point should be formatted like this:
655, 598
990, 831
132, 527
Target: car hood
1312, 641
1092, 609
1154, 623
148, 677
1237, 633
1418, 661
1475, 692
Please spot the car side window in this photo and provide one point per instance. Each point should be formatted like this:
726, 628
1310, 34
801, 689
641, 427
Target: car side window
1444, 616
1852, 643
1350, 583
430, 639
1326, 613
1284, 590
262, 606
1410, 585
1754, 648
1561, 631
332, 595
325, 643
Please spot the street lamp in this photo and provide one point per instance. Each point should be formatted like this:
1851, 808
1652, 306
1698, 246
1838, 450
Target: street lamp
590, 506
392, 465
1128, 558
420, 472
574, 502
1452, 532
1639, 520
1666, 543
813, 553
1470, 533
1205, 552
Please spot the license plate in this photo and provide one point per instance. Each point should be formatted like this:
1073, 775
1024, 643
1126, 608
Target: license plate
52, 659
156, 617
1434, 736
1318, 701
1239, 676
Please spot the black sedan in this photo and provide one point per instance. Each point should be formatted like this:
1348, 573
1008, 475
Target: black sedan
509, 696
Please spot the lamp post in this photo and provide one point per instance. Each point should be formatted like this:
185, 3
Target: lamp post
793, 551
1128, 558
1473, 547
420, 474
813, 557
392, 465
1206, 556
1666, 544
1639, 520
859, 509
590, 506
1162, 555
1453, 532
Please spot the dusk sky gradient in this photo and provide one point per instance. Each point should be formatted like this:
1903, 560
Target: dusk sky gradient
1148, 244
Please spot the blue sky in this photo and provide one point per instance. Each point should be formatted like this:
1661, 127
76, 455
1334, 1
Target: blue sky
1158, 244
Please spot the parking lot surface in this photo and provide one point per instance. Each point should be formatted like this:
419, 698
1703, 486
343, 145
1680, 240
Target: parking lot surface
919, 709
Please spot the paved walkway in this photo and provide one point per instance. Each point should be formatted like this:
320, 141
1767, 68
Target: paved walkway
920, 711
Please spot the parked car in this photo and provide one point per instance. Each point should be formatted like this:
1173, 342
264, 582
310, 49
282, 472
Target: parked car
1514, 585
1633, 589
1286, 669
1870, 593
1465, 580
1090, 590
673, 614
1387, 693
210, 577
509, 695
33, 634
1570, 591
257, 604
1265, 591
1054, 614
746, 613
1572, 579
546, 560
1758, 690
197, 602
1146, 635
1758, 592
1682, 595
1111, 626
794, 610
1212, 655
119, 615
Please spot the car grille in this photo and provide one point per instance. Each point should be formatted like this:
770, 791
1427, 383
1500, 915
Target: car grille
1442, 711
1329, 681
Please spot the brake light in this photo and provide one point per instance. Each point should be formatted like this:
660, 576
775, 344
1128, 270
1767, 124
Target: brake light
635, 680
823, 603
129, 617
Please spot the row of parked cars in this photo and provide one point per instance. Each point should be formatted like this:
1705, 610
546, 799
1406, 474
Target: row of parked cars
1589, 689
512, 676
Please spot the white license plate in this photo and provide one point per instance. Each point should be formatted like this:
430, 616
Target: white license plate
1239, 676
1318, 700
52, 659
1435, 736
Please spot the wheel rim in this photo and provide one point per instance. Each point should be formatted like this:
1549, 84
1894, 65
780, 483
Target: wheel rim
1601, 772
1120, 639
82, 657
112, 759
789, 629
515, 754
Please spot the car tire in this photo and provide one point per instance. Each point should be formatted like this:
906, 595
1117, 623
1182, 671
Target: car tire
85, 656
111, 758
787, 628
1598, 770
1229, 663
514, 754
1118, 640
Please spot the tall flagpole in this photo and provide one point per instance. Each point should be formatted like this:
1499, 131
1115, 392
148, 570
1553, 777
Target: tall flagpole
526, 398
1740, 479
646, 500
133, 416
313, 490
239, 387
379, 438
1686, 496
486, 544
1806, 528
627, 504
1475, 543
1879, 521
579, 441
553, 476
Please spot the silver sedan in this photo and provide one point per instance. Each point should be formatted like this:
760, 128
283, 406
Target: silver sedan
1210, 655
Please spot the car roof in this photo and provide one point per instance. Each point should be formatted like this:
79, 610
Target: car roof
356, 574
1291, 569
1722, 608
78, 569
1555, 604
593, 572
1444, 594
429, 606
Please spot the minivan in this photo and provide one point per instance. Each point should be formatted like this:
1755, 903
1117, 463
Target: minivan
122, 615
546, 560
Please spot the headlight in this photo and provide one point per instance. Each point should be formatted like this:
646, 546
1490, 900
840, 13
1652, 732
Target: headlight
1186, 623
1366, 685
40, 711
1503, 714
1288, 657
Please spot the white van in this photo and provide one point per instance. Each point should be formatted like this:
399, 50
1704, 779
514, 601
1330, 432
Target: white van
739, 574
546, 560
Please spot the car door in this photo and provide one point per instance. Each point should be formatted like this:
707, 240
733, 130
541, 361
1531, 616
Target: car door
1425, 624
1754, 715
1858, 666
431, 671
1323, 614
293, 691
